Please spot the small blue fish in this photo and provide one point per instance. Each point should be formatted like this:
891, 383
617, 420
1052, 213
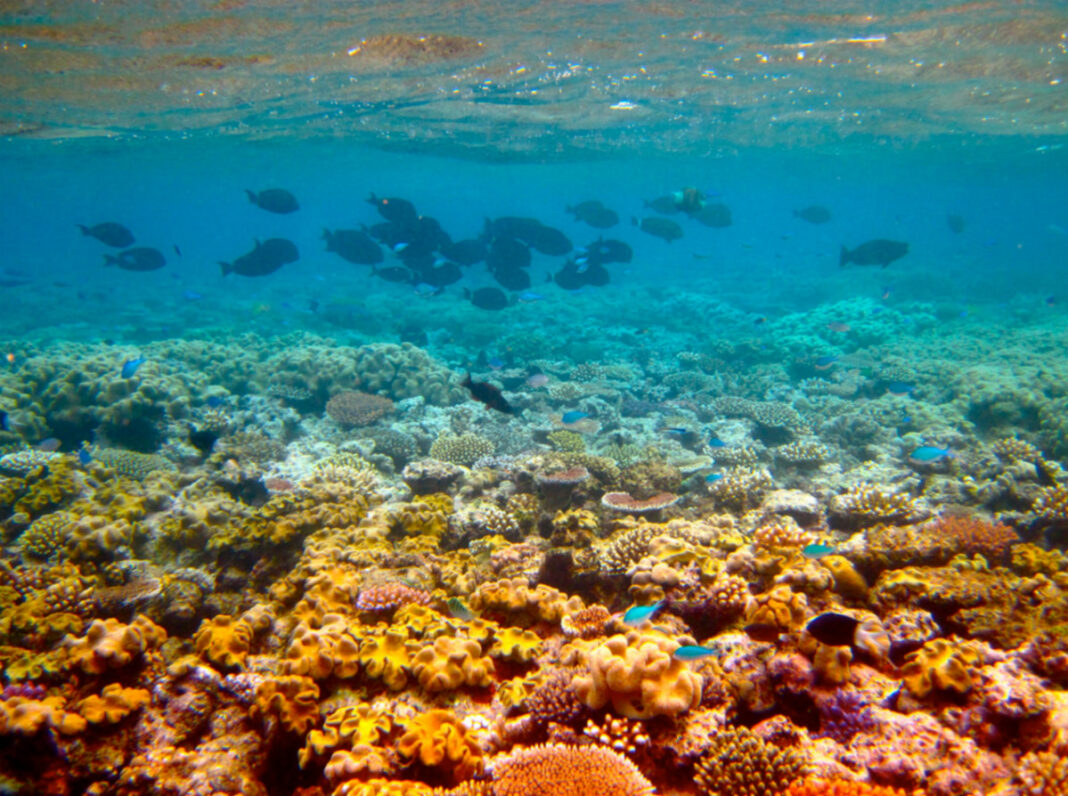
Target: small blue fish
84, 456
215, 401
711, 478
677, 431
400, 247
716, 442
495, 363
639, 613
694, 652
529, 296
573, 417
459, 610
825, 362
930, 454
900, 388
192, 295
817, 550
130, 366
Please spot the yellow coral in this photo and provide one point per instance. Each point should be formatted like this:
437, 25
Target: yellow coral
293, 701
113, 704
329, 650
847, 581
352, 725
437, 739
637, 674
387, 657
781, 608
942, 665
516, 645
451, 663
224, 641
21, 716
109, 644
515, 602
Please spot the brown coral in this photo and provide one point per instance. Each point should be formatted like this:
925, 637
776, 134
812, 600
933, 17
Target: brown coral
352, 408
556, 770
974, 536
739, 763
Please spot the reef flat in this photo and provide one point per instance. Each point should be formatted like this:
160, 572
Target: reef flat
283, 565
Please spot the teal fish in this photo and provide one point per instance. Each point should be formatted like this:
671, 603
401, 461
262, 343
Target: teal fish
639, 613
929, 454
573, 417
694, 652
817, 550
459, 610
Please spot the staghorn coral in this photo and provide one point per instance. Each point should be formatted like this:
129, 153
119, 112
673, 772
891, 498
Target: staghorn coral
636, 674
739, 763
556, 770
436, 739
973, 536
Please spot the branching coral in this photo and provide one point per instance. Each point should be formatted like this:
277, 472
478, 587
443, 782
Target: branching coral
738, 763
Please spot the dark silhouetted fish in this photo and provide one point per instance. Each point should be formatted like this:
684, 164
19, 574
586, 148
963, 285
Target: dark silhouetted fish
569, 277
665, 205
509, 253
833, 629
265, 258
202, 439
13, 277
353, 245
663, 228
109, 233
550, 241
417, 259
394, 273
595, 214
714, 215
140, 258
512, 227
486, 393
516, 279
813, 214
955, 223
274, 200
603, 252
465, 252
393, 209
488, 298
874, 252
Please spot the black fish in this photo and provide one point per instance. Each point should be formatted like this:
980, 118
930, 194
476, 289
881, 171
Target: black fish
109, 233
595, 214
813, 214
570, 277
663, 228
512, 278
665, 205
763, 631
550, 241
395, 273
265, 258
512, 227
597, 275
394, 209
274, 200
488, 298
442, 275
486, 393
955, 223
353, 245
507, 252
603, 251
874, 252
836, 630
713, 215
203, 439
465, 252
141, 258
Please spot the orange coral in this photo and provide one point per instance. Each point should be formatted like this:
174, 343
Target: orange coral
224, 641
114, 704
974, 535
293, 701
452, 663
437, 739
841, 787
557, 770
353, 725
21, 716
387, 657
109, 644
514, 600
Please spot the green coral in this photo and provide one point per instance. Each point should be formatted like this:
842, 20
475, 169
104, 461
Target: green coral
464, 449
567, 441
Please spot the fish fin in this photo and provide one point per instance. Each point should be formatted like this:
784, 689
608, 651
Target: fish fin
252, 197
372, 199
226, 267
326, 236
83, 228
110, 259
843, 257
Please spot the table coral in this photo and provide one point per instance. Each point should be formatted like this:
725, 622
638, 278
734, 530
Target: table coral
637, 675
557, 770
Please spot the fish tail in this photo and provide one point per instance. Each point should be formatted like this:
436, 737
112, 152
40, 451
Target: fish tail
83, 228
372, 199
226, 267
110, 260
843, 257
251, 196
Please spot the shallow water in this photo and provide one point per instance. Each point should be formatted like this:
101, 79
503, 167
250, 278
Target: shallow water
768, 397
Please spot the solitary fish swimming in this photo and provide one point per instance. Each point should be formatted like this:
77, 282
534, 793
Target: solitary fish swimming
109, 233
813, 214
874, 252
694, 652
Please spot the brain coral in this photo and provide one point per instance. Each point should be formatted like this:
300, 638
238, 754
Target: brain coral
638, 675
556, 770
